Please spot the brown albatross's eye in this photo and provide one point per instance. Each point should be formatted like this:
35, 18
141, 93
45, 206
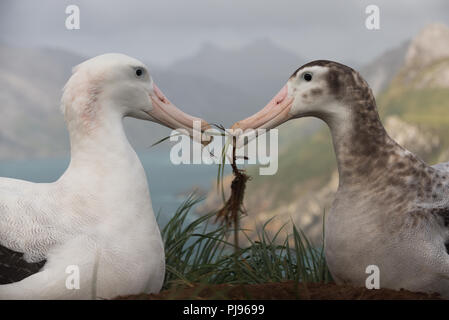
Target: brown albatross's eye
307, 76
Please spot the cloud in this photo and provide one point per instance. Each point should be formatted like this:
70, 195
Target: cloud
168, 30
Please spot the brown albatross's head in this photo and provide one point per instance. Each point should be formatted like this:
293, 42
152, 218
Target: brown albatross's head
324, 89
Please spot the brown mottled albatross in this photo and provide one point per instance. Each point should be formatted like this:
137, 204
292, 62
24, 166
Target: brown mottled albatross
391, 209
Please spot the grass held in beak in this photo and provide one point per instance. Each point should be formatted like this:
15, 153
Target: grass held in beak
233, 207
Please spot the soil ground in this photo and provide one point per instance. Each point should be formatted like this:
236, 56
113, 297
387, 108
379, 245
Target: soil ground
281, 291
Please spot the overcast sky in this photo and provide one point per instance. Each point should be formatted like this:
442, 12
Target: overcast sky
164, 31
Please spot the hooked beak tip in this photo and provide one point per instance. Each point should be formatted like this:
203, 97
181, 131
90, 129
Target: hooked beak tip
237, 127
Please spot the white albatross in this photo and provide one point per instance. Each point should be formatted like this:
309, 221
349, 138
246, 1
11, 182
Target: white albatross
391, 209
97, 218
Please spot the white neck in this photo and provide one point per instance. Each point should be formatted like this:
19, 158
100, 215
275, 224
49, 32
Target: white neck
100, 141
105, 169
100, 151
97, 138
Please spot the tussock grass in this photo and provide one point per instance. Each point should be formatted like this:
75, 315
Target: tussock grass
199, 252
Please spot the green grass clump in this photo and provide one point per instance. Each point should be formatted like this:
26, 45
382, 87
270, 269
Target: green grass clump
199, 252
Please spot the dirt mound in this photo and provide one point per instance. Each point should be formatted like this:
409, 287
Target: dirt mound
281, 291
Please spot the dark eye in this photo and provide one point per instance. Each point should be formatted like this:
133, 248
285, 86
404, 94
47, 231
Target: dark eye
307, 76
139, 72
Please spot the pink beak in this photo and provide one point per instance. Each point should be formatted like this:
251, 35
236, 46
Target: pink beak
167, 114
272, 115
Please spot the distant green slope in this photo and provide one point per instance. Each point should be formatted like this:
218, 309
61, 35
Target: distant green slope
427, 108
417, 99
302, 161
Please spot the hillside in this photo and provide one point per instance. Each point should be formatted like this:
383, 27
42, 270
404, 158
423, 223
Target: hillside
414, 108
258, 68
29, 99
379, 72
419, 94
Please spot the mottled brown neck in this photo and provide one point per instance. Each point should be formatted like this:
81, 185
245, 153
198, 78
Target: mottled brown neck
366, 154
363, 146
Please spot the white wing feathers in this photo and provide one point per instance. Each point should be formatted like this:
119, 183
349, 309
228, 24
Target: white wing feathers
27, 218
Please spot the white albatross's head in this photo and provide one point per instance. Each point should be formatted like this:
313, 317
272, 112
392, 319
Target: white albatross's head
117, 85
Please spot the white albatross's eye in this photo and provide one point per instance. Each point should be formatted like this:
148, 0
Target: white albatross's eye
140, 72
307, 76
